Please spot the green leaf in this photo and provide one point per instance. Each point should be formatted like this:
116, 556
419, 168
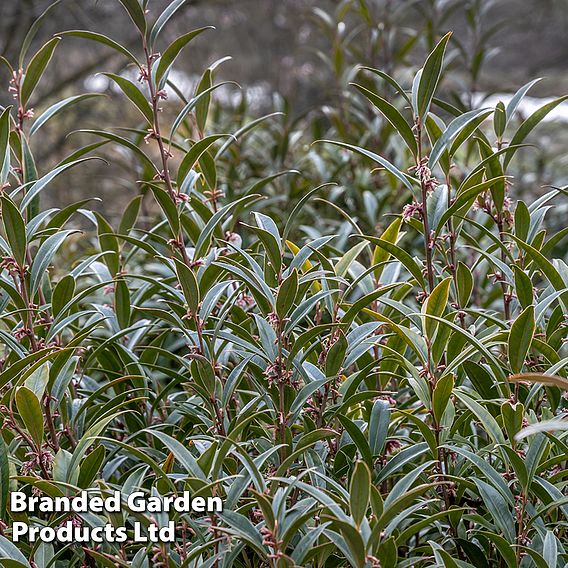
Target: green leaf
493, 169
436, 305
286, 295
86, 441
181, 453
522, 220
173, 50
464, 283
517, 98
499, 120
91, 466
345, 262
62, 294
44, 181
393, 115
193, 155
57, 107
136, 13
37, 381
520, 338
134, 94
10, 551
130, 215
498, 508
122, 303
484, 416
15, 230
205, 235
441, 396
430, 77
358, 439
388, 553
336, 355
529, 124
523, 287
401, 255
36, 68
31, 414
163, 19
240, 526
4, 478
32, 32
268, 233
5, 145
403, 178
43, 258
359, 492
60, 465
189, 285
381, 255
100, 38
488, 471
513, 414
392, 82
193, 103
202, 105
168, 207
379, 426
453, 130
108, 243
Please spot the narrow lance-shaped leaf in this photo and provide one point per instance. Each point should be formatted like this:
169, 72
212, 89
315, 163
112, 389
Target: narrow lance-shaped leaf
381, 255
134, 94
405, 179
15, 230
378, 426
163, 19
435, 305
100, 38
287, 294
393, 115
441, 396
429, 78
193, 155
122, 303
189, 285
42, 182
4, 145
29, 410
202, 106
243, 130
499, 120
4, 478
57, 107
453, 130
498, 508
517, 98
173, 50
359, 492
36, 68
529, 124
32, 32
401, 255
44, 256
136, 13
520, 338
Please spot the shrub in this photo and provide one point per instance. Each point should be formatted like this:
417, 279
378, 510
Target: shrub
389, 399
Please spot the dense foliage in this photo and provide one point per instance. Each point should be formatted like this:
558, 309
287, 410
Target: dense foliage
369, 374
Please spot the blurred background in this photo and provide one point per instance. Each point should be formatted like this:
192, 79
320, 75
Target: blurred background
295, 56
